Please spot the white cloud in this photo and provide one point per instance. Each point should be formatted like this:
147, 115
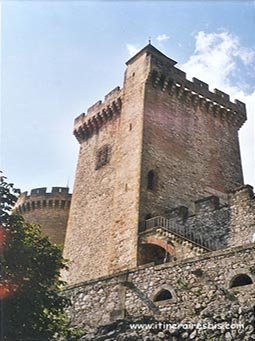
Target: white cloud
132, 49
216, 60
247, 55
213, 59
162, 37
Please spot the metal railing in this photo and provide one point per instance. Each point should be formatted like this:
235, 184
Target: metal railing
179, 230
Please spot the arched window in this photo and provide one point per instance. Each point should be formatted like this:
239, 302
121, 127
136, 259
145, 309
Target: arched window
240, 280
163, 295
151, 180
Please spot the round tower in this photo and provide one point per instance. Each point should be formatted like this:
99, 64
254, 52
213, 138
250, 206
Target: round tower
49, 210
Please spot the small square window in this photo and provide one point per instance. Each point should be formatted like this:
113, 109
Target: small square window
102, 156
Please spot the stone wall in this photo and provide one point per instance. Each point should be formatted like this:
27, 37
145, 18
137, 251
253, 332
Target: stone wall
242, 226
88, 238
158, 147
49, 210
200, 287
158, 246
211, 223
161, 122
213, 226
102, 230
191, 147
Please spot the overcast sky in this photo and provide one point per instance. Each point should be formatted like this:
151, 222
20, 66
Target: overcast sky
58, 58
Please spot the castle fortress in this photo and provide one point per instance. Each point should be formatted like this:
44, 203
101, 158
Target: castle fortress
161, 223
48, 209
156, 163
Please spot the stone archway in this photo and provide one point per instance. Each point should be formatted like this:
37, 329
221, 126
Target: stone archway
153, 250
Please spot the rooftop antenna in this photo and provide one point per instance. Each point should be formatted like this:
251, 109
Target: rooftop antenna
149, 39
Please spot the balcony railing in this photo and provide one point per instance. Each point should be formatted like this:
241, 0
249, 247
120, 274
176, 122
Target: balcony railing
179, 230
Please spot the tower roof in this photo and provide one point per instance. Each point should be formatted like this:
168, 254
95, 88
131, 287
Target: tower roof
151, 50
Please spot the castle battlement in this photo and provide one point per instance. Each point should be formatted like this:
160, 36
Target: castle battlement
39, 198
242, 192
167, 77
49, 210
161, 223
148, 152
86, 124
180, 225
197, 93
232, 225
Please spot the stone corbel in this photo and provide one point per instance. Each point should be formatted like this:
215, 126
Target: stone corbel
210, 107
202, 103
216, 110
164, 87
180, 92
172, 90
188, 95
195, 99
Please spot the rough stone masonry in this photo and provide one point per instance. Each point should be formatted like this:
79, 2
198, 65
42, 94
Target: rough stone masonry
201, 290
48, 209
161, 228
158, 143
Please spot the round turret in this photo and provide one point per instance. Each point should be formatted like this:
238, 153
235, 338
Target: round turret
49, 210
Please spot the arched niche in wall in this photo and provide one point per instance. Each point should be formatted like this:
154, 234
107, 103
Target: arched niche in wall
164, 294
240, 280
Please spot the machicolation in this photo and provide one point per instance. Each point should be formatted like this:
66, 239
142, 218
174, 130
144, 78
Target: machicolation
48, 209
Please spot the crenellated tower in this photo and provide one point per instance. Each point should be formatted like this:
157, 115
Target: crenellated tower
158, 143
190, 139
48, 209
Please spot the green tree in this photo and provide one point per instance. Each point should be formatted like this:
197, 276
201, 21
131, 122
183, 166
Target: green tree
32, 303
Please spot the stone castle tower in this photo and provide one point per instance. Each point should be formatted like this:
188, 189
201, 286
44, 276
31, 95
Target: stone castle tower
153, 156
49, 210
